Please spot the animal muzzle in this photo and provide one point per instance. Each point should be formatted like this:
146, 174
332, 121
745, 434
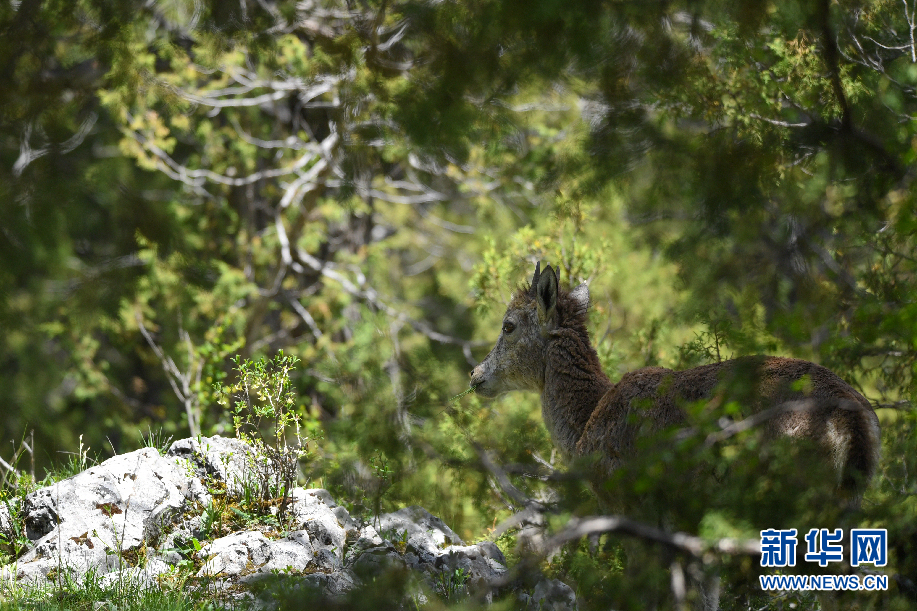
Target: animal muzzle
479, 380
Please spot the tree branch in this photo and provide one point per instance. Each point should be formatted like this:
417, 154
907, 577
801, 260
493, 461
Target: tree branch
760, 418
577, 528
174, 375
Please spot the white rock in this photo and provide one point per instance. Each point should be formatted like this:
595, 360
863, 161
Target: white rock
326, 522
223, 459
6, 522
249, 552
427, 535
88, 521
85, 521
550, 595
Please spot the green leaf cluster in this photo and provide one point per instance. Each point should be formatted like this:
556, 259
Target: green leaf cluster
363, 185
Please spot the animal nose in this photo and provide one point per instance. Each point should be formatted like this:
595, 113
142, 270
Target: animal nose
477, 376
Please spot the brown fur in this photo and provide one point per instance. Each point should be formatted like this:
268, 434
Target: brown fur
549, 351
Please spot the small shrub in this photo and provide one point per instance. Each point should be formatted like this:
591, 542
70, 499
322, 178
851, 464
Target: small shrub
262, 401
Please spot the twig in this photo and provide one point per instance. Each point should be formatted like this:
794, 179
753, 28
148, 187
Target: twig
174, 375
578, 528
503, 480
369, 295
800, 405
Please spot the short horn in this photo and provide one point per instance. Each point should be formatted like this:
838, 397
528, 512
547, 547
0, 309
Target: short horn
534, 286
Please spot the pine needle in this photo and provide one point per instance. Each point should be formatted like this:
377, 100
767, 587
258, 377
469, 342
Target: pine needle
460, 395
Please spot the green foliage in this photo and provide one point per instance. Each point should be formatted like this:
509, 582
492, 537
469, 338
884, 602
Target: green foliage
363, 186
211, 517
186, 549
265, 416
597, 570
91, 593
451, 584
75, 463
14, 542
264, 400
383, 472
156, 440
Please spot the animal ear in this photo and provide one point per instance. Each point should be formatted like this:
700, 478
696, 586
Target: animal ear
546, 295
580, 295
534, 286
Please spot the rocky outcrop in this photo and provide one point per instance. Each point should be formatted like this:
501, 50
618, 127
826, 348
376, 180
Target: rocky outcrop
140, 515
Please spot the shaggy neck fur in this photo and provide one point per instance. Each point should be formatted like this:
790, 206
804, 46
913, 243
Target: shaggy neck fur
573, 385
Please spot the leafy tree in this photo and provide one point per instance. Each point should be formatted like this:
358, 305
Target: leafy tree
362, 184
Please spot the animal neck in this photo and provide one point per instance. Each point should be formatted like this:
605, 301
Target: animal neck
574, 384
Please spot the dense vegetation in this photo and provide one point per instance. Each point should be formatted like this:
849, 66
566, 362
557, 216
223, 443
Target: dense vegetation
362, 184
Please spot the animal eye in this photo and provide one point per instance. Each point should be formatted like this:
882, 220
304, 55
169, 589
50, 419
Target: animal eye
508, 327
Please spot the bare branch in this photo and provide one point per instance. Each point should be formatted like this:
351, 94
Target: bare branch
444, 223
280, 90
912, 25
902, 405
198, 178
776, 122
409, 200
784, 408
27, 154
174, 375
304, 314
678, 585
369, 295
503, 480
290, 142
12, 474
578, 528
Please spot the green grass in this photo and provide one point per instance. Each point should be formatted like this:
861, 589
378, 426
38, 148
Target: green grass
89, 594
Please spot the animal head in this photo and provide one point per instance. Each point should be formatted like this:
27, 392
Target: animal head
535, 315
